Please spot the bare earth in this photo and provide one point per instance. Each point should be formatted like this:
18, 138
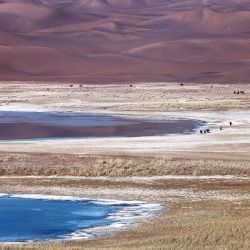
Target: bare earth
125, 40
203, 180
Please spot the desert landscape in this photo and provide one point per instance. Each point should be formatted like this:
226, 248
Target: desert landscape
201, 180
109, 41
124, 124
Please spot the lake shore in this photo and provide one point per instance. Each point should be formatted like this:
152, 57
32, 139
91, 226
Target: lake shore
204, 179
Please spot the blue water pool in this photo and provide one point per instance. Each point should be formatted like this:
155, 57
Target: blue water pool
44, 125
25, 218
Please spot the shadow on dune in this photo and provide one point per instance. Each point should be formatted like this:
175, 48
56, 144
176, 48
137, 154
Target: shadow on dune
123, 40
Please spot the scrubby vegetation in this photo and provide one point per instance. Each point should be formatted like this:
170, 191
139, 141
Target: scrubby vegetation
116, 166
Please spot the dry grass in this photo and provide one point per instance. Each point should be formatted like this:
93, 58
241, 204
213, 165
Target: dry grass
115, 166
150, 97
212, 224
189, 105
207, 223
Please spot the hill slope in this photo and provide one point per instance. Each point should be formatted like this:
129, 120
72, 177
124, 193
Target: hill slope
123, 40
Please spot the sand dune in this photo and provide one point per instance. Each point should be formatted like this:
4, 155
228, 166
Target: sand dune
124, 40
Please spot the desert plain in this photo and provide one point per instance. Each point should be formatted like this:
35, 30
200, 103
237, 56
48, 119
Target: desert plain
202, 180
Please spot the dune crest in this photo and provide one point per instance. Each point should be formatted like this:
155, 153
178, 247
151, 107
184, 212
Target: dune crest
124, 40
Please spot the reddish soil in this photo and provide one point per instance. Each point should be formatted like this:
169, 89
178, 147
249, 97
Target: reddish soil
124, 40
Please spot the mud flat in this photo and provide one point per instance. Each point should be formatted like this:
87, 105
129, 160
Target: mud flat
203, 179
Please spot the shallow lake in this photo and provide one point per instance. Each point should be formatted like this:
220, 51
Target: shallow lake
38, 218
44, 125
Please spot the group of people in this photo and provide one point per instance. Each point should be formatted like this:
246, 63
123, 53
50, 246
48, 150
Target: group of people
207, 131
238, 92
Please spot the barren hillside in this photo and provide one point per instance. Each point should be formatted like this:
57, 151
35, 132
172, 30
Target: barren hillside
123, 40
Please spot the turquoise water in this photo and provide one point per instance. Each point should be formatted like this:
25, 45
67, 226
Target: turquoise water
26, 219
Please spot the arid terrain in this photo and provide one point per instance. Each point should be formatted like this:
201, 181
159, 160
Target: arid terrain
125, 40
203, 180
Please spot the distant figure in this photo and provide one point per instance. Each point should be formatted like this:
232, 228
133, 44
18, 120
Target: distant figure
71, 85
221, 128
242, 92
201, 132
208, 130
131, 85
211, 86
230, 123
204, 131
182, 84
47, 89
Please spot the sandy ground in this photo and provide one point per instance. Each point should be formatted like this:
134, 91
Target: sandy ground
217, 106
203, 180
124, 40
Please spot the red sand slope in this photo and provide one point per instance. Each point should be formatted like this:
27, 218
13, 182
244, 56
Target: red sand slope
123, 40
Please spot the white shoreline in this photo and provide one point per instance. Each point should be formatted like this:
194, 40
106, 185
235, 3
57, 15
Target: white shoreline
200, 123
128, 216
133, 178
150, 144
